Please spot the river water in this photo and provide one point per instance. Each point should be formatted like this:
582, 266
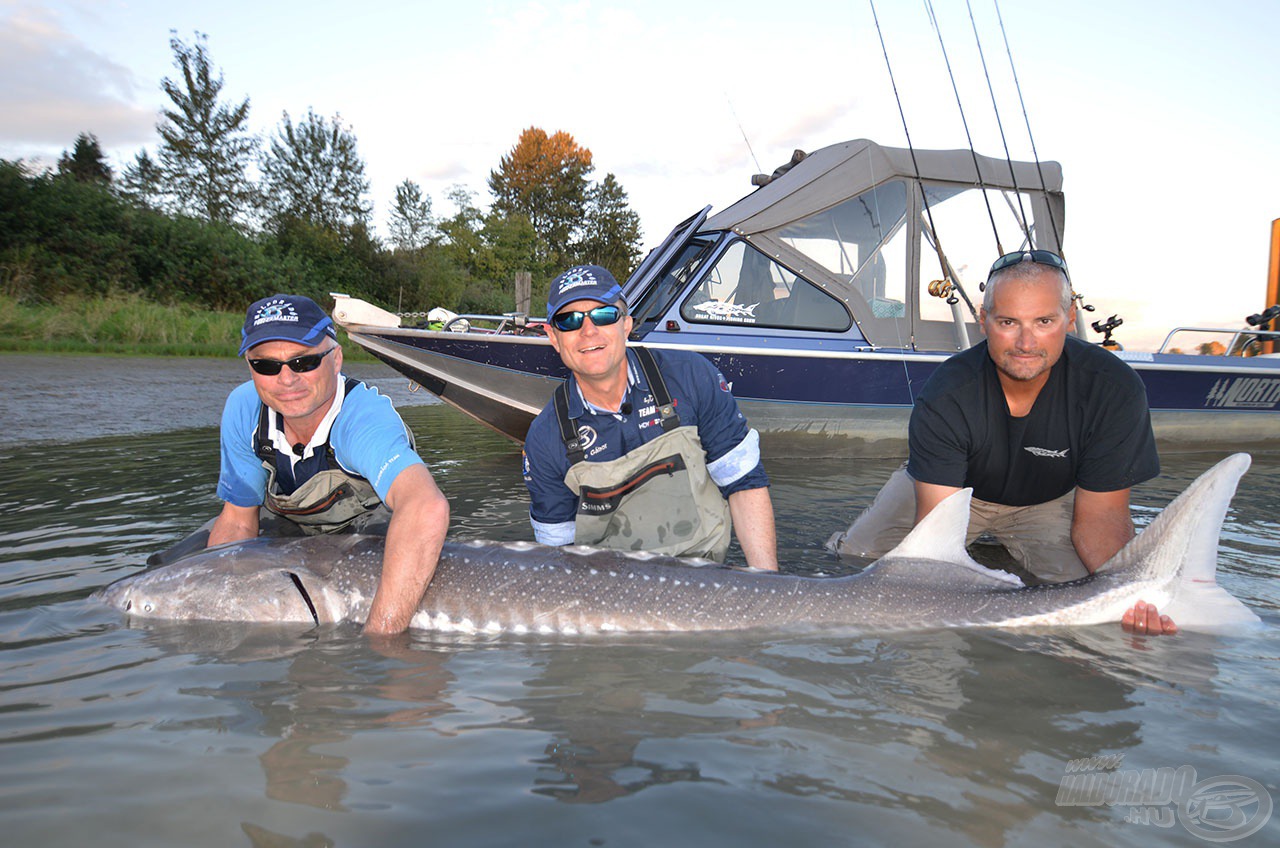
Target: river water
114, 733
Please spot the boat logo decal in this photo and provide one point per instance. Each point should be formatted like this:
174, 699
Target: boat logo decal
718, 310
1045, 453
1244, 393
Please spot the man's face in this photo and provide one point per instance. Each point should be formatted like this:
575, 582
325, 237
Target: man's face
591, 352
1026, 327
294, 395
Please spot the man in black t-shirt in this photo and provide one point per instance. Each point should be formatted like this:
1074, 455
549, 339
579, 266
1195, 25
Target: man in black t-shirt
1049, 432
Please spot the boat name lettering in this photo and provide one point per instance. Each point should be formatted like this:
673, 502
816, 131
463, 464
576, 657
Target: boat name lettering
1244, 393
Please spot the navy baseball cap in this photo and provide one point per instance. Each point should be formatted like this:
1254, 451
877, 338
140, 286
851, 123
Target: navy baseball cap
583, 282
285, 318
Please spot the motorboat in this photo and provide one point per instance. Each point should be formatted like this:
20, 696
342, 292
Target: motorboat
827, 296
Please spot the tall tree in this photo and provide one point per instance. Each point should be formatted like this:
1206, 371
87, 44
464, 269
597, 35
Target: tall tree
85, 162
205, 149
142, 183
611, 233
544, 178
313, 172
412, 226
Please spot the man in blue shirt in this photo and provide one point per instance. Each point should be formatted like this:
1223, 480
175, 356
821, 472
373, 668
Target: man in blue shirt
315, 452
640, 450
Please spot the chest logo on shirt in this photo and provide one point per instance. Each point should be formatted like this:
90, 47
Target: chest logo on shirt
587, 436
1045, 453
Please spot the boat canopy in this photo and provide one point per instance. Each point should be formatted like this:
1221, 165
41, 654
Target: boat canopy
861, 221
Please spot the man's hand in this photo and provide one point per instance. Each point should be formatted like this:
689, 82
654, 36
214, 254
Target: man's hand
419, 521
752, 514
1145, 620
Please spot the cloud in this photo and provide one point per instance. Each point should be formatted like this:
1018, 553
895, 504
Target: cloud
53, 87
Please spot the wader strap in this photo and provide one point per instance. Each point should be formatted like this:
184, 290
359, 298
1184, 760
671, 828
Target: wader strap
568, 432
662, 397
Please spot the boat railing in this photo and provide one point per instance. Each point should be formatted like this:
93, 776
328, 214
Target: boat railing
507, 323
1242, 340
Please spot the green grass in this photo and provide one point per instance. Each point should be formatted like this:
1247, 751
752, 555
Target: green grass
124, 325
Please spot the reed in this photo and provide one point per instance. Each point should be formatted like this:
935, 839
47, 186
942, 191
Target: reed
124, 324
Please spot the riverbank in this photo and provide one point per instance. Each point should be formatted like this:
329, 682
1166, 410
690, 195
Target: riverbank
125, 325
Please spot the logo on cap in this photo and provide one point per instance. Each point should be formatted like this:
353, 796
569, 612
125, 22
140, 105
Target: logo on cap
575, 277
275, 310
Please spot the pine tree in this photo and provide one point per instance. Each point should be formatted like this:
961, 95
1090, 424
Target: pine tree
312, 172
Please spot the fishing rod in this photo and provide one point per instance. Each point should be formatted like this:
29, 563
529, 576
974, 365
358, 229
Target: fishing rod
977, 169
1053, 224
1008, 157
947, 285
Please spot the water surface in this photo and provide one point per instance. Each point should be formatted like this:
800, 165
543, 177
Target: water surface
114, 733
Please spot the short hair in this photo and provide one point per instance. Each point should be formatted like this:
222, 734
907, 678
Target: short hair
1026, 271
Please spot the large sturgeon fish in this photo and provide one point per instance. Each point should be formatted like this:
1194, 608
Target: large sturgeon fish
926, 582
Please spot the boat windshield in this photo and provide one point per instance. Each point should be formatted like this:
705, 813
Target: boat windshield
745, 287
657, 299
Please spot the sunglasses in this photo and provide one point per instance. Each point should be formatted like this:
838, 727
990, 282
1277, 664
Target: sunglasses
601, 316
298, 365
1040, 257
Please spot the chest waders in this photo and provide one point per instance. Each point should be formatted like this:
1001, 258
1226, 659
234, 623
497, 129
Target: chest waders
327, 502
659, 497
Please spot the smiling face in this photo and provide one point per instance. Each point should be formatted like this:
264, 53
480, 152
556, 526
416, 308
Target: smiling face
303, 399
593, 354
1026, 325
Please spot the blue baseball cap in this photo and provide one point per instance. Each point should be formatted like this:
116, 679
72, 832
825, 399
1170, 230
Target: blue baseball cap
583, 282
285, 318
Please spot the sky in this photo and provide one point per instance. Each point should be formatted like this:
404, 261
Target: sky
1162, 114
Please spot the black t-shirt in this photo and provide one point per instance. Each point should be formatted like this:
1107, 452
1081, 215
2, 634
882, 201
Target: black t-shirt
1089, 427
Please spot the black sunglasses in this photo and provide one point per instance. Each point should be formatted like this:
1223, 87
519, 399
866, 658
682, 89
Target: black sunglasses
298, 365
1040, 257
601, 316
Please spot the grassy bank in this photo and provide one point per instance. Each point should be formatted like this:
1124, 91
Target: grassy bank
125, 325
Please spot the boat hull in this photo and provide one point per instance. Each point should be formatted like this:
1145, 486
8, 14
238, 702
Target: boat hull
807, 402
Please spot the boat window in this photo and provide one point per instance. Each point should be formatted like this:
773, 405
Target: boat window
655, 301
861, 240
745, 287
964, 221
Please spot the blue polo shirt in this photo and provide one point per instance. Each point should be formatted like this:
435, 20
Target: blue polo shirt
368, 437
702, 399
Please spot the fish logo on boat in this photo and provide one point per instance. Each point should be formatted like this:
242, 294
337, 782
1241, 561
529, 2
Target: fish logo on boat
1244, 393
718, 310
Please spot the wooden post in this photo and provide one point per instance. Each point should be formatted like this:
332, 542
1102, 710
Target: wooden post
1273, 280
524, 291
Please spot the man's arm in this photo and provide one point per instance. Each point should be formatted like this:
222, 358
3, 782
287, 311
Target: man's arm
233, 524
1100, 525
419, 522
929, 495
752, 512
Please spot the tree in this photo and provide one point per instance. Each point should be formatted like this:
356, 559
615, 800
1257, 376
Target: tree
85, 162
544, 178
205, 149
312, 172
412, 226
142, 182
611, 234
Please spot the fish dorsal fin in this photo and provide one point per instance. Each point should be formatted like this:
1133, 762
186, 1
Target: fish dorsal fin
940, 537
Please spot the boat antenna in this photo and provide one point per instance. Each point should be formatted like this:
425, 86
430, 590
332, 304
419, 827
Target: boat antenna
1053, 224
1022, 213
948, 284
734, 112
928, 4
